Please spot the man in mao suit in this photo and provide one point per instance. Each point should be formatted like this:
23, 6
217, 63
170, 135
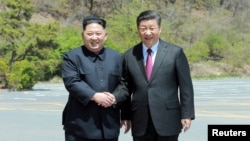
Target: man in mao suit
163, 104
91, 74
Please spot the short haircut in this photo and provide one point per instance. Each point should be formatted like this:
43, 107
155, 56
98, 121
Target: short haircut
93, 19
148, 15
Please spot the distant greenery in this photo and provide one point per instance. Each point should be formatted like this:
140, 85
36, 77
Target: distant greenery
67, 38
27, 47
209, 31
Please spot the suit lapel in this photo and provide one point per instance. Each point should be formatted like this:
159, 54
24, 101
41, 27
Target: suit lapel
161, 53
137, 52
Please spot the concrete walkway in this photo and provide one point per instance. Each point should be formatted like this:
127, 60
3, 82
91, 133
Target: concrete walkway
36, 115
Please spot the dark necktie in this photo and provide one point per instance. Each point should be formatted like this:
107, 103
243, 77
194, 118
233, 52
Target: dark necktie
149, 64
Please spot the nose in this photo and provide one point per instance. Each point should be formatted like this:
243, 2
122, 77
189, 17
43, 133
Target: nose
94, 36
148, 32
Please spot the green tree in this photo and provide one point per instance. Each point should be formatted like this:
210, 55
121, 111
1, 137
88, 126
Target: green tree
217, 44
14, 19
24, 41
122, 27
67, 38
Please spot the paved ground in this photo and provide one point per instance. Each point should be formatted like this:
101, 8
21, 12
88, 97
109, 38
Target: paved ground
36, 115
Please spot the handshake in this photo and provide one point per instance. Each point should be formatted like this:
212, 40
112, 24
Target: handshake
104, 99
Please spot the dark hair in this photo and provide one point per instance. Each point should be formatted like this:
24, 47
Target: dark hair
93, 19
148, 15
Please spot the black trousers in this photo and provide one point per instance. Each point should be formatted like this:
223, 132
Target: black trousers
69, 136
151, 134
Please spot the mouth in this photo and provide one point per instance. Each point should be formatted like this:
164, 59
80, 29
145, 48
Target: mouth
148, 38
94, 44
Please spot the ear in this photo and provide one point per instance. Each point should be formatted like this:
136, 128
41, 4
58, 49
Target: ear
83, 37
82, 34
106, 36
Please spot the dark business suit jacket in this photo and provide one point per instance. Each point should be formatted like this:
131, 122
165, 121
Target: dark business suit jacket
82, 78
170, 75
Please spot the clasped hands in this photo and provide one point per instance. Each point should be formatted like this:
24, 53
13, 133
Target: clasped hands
104, 99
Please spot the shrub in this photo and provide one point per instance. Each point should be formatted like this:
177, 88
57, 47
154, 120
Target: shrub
23, 76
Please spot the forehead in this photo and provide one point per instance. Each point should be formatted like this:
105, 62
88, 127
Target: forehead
150, 22
94, 27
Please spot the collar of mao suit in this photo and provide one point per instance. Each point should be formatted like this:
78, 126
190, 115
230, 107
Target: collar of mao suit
93, 56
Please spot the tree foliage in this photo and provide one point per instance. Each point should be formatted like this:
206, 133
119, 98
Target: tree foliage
22, 76
24, 41
208, 30
122, 27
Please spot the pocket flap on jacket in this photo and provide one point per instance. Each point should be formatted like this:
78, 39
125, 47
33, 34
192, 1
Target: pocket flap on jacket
173, 104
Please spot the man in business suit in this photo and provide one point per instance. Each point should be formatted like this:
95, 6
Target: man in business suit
162, 102
91, 74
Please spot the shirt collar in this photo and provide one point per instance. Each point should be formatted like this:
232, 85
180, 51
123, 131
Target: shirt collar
153, 48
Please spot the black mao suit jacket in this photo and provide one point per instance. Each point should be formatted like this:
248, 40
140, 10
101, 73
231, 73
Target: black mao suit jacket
170, 76
82, 78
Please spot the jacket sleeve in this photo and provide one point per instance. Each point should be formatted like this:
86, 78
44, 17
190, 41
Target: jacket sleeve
72, 81
122, 95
